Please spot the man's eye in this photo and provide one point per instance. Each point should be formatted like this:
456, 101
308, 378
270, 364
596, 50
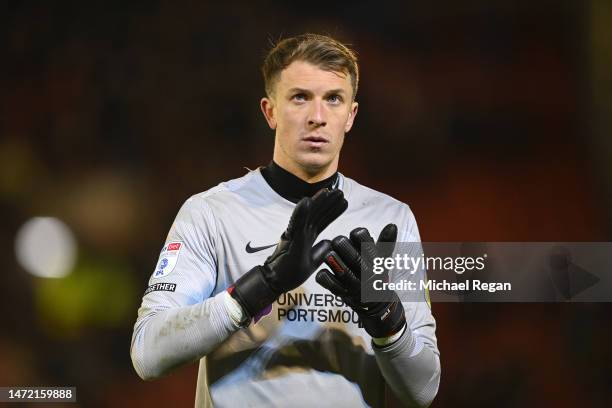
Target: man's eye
334, 98
299, 97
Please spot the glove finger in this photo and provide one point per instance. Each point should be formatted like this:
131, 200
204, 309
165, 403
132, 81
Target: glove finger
343, 273
326, 279
298, 217
326, 207
360, 236
349, 255
364, 243
387, 236
321, 192
321, 198
319, 252
332, 214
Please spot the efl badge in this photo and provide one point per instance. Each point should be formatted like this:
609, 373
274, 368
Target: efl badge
167, 259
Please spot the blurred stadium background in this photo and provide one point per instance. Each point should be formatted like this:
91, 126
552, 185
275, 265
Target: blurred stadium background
491, 119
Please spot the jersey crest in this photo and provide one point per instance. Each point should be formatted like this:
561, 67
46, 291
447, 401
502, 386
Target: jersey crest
167, 259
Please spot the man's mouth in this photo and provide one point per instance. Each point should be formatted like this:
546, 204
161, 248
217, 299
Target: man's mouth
316, 141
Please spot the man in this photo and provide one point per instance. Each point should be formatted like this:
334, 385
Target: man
265, 331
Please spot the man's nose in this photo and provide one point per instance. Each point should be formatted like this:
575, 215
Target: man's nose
317, 116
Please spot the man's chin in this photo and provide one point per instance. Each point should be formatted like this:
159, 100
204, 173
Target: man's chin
315, 163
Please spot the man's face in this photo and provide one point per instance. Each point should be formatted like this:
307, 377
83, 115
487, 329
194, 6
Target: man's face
311, 110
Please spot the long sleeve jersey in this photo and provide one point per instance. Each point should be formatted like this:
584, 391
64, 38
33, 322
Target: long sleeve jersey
307, 348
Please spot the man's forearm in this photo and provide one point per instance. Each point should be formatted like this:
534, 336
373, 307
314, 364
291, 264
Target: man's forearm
411, 368
170, 338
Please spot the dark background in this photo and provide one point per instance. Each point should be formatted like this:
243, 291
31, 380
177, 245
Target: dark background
490, 119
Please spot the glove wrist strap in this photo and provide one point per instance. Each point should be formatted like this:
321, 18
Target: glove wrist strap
253, 292
385, 324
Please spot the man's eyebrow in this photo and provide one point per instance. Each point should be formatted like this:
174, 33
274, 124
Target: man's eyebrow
299, 90
335, 91
302, 90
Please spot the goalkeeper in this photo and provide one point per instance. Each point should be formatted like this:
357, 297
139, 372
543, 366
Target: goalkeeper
240, 284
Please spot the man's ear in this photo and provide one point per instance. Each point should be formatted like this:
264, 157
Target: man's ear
268, 109
351, 117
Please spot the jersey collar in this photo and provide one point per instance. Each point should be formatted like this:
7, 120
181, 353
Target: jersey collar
291, 187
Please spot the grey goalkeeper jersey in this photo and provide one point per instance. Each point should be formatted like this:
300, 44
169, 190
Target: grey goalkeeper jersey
307, 349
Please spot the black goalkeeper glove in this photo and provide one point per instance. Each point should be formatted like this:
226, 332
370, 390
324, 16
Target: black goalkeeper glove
379, 319
295, 258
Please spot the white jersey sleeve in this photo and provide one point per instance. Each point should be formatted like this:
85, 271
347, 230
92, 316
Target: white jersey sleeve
411, 365
178, 321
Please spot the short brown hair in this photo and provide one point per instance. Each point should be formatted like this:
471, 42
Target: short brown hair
320, 50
